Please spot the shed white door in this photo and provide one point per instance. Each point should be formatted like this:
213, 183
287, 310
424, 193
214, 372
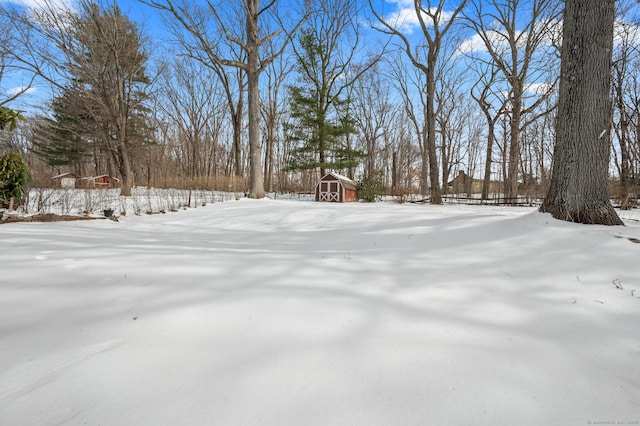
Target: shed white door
329, 191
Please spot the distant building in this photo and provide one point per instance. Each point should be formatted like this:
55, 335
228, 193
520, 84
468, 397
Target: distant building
102, 181
65, 180
465, 184
336, 188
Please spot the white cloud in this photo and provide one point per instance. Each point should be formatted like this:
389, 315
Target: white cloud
476, 44
538, 88
46, 12
21, 89
551, 31
406, 19
626, 33
42, 4
473, 44
43, 11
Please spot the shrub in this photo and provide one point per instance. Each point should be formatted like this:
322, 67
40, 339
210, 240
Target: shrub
14, 175
371, 189
9, 118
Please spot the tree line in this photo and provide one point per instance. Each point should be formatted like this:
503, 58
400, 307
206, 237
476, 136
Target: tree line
268, 96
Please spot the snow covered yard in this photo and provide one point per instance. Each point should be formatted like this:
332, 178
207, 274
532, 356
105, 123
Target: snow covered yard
283, 312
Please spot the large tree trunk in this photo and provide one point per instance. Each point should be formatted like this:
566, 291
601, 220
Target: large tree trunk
270, 142
256, 180
125, 172
394, 173
435, 192
511, 185
424, 156
237, 141
578, 191
489, 159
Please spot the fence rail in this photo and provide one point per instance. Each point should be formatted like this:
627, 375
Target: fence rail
494, 201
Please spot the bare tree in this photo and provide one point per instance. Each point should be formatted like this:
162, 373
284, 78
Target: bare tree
578, 191
9, 48
204, 25
512, 41
451, 110
410, 83
374, 114
272, 111
492, 106
632, 112
405, 158
626, 57
193, 102
98, 54
435, 23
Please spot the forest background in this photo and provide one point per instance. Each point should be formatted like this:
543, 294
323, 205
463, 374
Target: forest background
161, 93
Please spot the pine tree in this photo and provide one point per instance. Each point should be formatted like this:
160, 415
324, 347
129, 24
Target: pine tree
64, 139
321, 123
103, 59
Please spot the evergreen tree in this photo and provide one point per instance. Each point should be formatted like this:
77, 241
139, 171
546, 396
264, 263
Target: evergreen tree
321, 123
100, 53
65, 138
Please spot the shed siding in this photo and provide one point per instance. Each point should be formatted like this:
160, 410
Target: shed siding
335, 188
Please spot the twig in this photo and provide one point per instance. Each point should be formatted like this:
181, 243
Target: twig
617, 283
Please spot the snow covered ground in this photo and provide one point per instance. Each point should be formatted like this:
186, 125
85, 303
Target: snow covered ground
287, 312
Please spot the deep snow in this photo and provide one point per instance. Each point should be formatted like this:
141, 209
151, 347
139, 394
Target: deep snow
284, 312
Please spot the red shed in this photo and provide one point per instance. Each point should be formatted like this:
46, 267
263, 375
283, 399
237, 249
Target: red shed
337, 188
102, 181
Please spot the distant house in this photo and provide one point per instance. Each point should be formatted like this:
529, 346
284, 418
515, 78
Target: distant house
65, 180
102, 181
336, 188
465, 184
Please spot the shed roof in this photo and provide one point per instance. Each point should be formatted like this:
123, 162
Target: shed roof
100, 177
68, 174
346, 182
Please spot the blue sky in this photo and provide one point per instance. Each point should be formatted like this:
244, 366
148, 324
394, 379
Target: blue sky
151, 22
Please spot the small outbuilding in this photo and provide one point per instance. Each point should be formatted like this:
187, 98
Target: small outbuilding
336, 188
102, 181
65, 180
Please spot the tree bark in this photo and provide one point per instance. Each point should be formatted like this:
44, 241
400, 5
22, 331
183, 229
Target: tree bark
256, 189
125, 172
578, 190
486, 181
511, 185
434, 191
